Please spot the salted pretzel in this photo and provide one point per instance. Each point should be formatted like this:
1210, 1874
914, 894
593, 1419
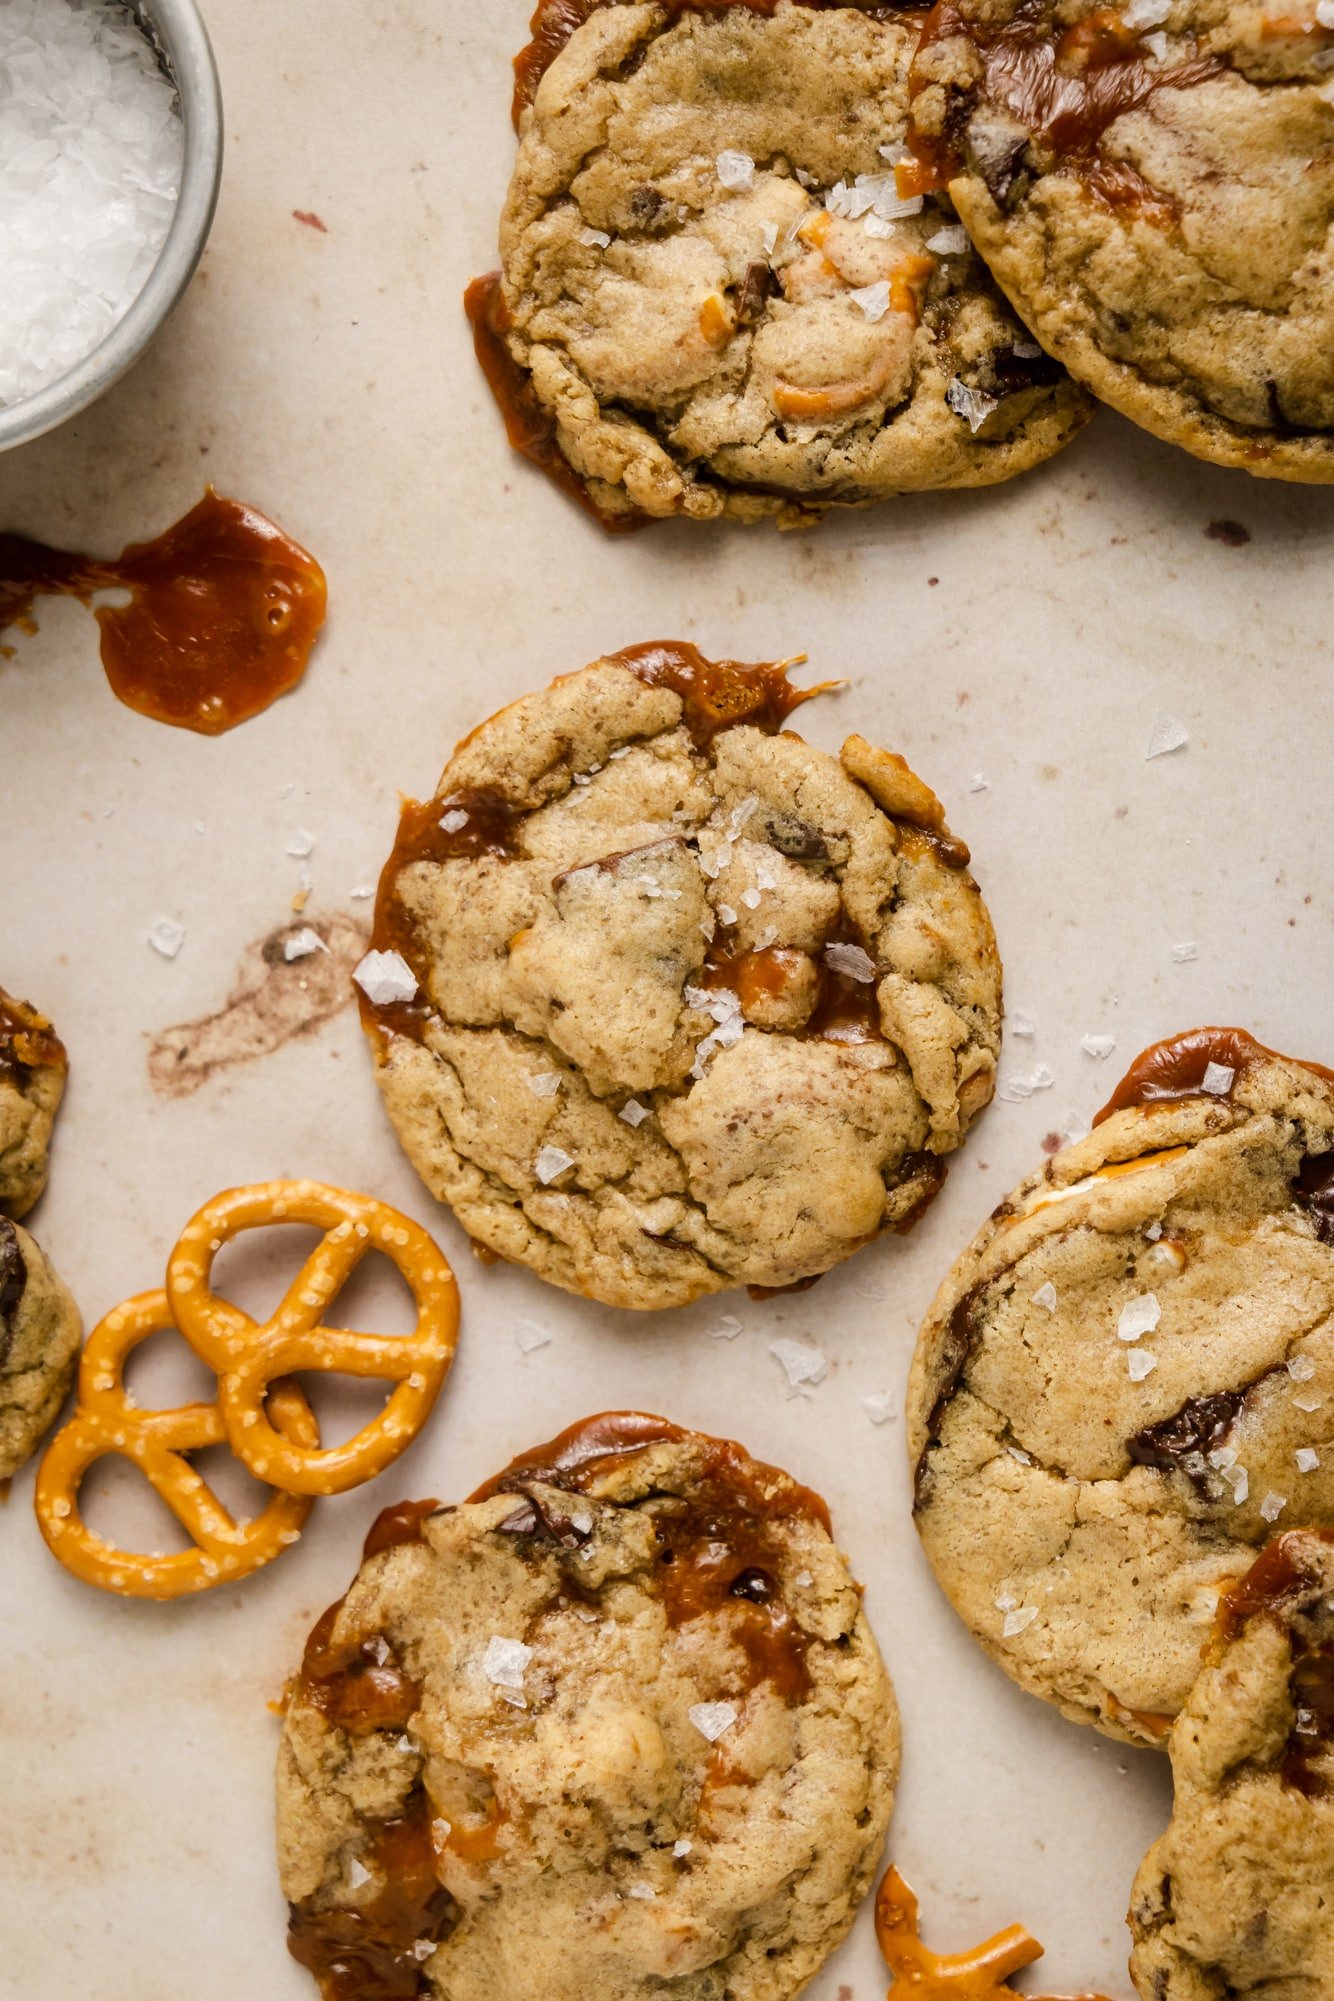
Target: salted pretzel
980, 1975
249, 1356
109, 1421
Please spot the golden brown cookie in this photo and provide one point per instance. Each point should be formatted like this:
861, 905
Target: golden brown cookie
1153, 187
39, 1345
713, 299
1235, 1898
663, 999
616, 1727
1128, 1377
33, 1069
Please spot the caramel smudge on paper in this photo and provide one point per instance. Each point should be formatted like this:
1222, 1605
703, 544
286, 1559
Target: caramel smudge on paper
272, 1001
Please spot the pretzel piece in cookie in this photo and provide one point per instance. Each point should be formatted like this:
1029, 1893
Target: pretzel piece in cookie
249, 1355
159, 1442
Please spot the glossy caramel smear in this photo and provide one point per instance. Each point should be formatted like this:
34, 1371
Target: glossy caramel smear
717, 1547
529, 425
357, 1685
1066, 89
223, 612
715, 695
376, 1951
1169, 1071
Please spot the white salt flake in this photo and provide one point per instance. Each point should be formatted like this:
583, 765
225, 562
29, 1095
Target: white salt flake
551, 1163
544, 1083
973, 405
803, 1580
680, 1848
1153, 1231
645, 1892
1168, 735
1097, 1045
735, 170
1018, 1621
1217, 1079
979, 782
800, 1363
301, 845
357, 1873
596, 239
1138, 14
880, 1407
362, 892
1307, 1458
1183, 954
751, 898
1223, 1458
385, 977
951, 241
1240, 1482
504, 1661
769, 237
726, 914
529, 1337
1018, 1452
1005, 1601
1022, 1024
726, 1328
1273, 1505
877, 192
1139, 1364
1301, 1368
633, 1113
167, 937
1138, 1316
1046, 1296
711, 1719
1324, 13
851, 961
455, 820
871, 300
876, 226
1156, 46
1017, 1088
302, 943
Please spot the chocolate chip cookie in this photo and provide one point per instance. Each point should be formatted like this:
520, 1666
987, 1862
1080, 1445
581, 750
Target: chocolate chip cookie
39, 1345
715, 301
33, 1068
1154, 189
617, 1726
664, 1000
1129, 1377
1235, 1897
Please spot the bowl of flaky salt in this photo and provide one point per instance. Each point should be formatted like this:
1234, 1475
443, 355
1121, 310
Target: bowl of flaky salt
110, 160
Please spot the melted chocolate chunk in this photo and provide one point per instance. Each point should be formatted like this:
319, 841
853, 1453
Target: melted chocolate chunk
539, 1518
13, 1284
1311, 1686
961, 1338
1198, 1428
1314, 1190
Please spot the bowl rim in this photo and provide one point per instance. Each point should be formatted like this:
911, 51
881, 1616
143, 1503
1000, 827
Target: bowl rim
179, 28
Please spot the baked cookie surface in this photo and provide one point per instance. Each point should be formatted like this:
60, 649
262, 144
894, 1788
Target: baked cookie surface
717, 297
1235, 1898
690, 1004
39, 1345
33, 1068
617, 1726
1128, 1377
1154, 191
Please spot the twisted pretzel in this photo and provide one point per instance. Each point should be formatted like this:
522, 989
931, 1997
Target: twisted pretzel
248, 1356
980, 1975
158, 1442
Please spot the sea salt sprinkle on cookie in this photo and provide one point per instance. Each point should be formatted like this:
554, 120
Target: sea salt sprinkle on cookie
385, 977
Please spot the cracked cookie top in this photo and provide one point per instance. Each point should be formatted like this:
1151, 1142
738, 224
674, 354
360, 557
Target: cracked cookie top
717, 298
39, 1345
1153, 187
618, 1726
1235, 1897
33, 1068
665, 1000
1129, 1376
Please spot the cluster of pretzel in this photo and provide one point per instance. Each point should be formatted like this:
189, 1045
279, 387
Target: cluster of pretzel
980, 1975
260, 1410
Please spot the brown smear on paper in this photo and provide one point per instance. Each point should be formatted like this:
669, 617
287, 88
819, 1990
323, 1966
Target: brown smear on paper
272, 1001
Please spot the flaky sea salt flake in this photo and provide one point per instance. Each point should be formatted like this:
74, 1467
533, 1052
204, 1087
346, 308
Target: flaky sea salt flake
1097, 1045
302, 943
951, 241
872, 301
455, 820
596, 239
973, 405
725, 1328
1139, 1364
544, 1083
633, 1113
735, 170
385, 977
529, 1337
851, 961
712, 1719
1217, 1079
167, 937
680, 1848
800, 1363
504, 1661
1307, 1458
551, 1163
1046, 1296
1184, 953
880, 1407
1273, 1505
1138, 1316
1168, 735
1018, 1621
